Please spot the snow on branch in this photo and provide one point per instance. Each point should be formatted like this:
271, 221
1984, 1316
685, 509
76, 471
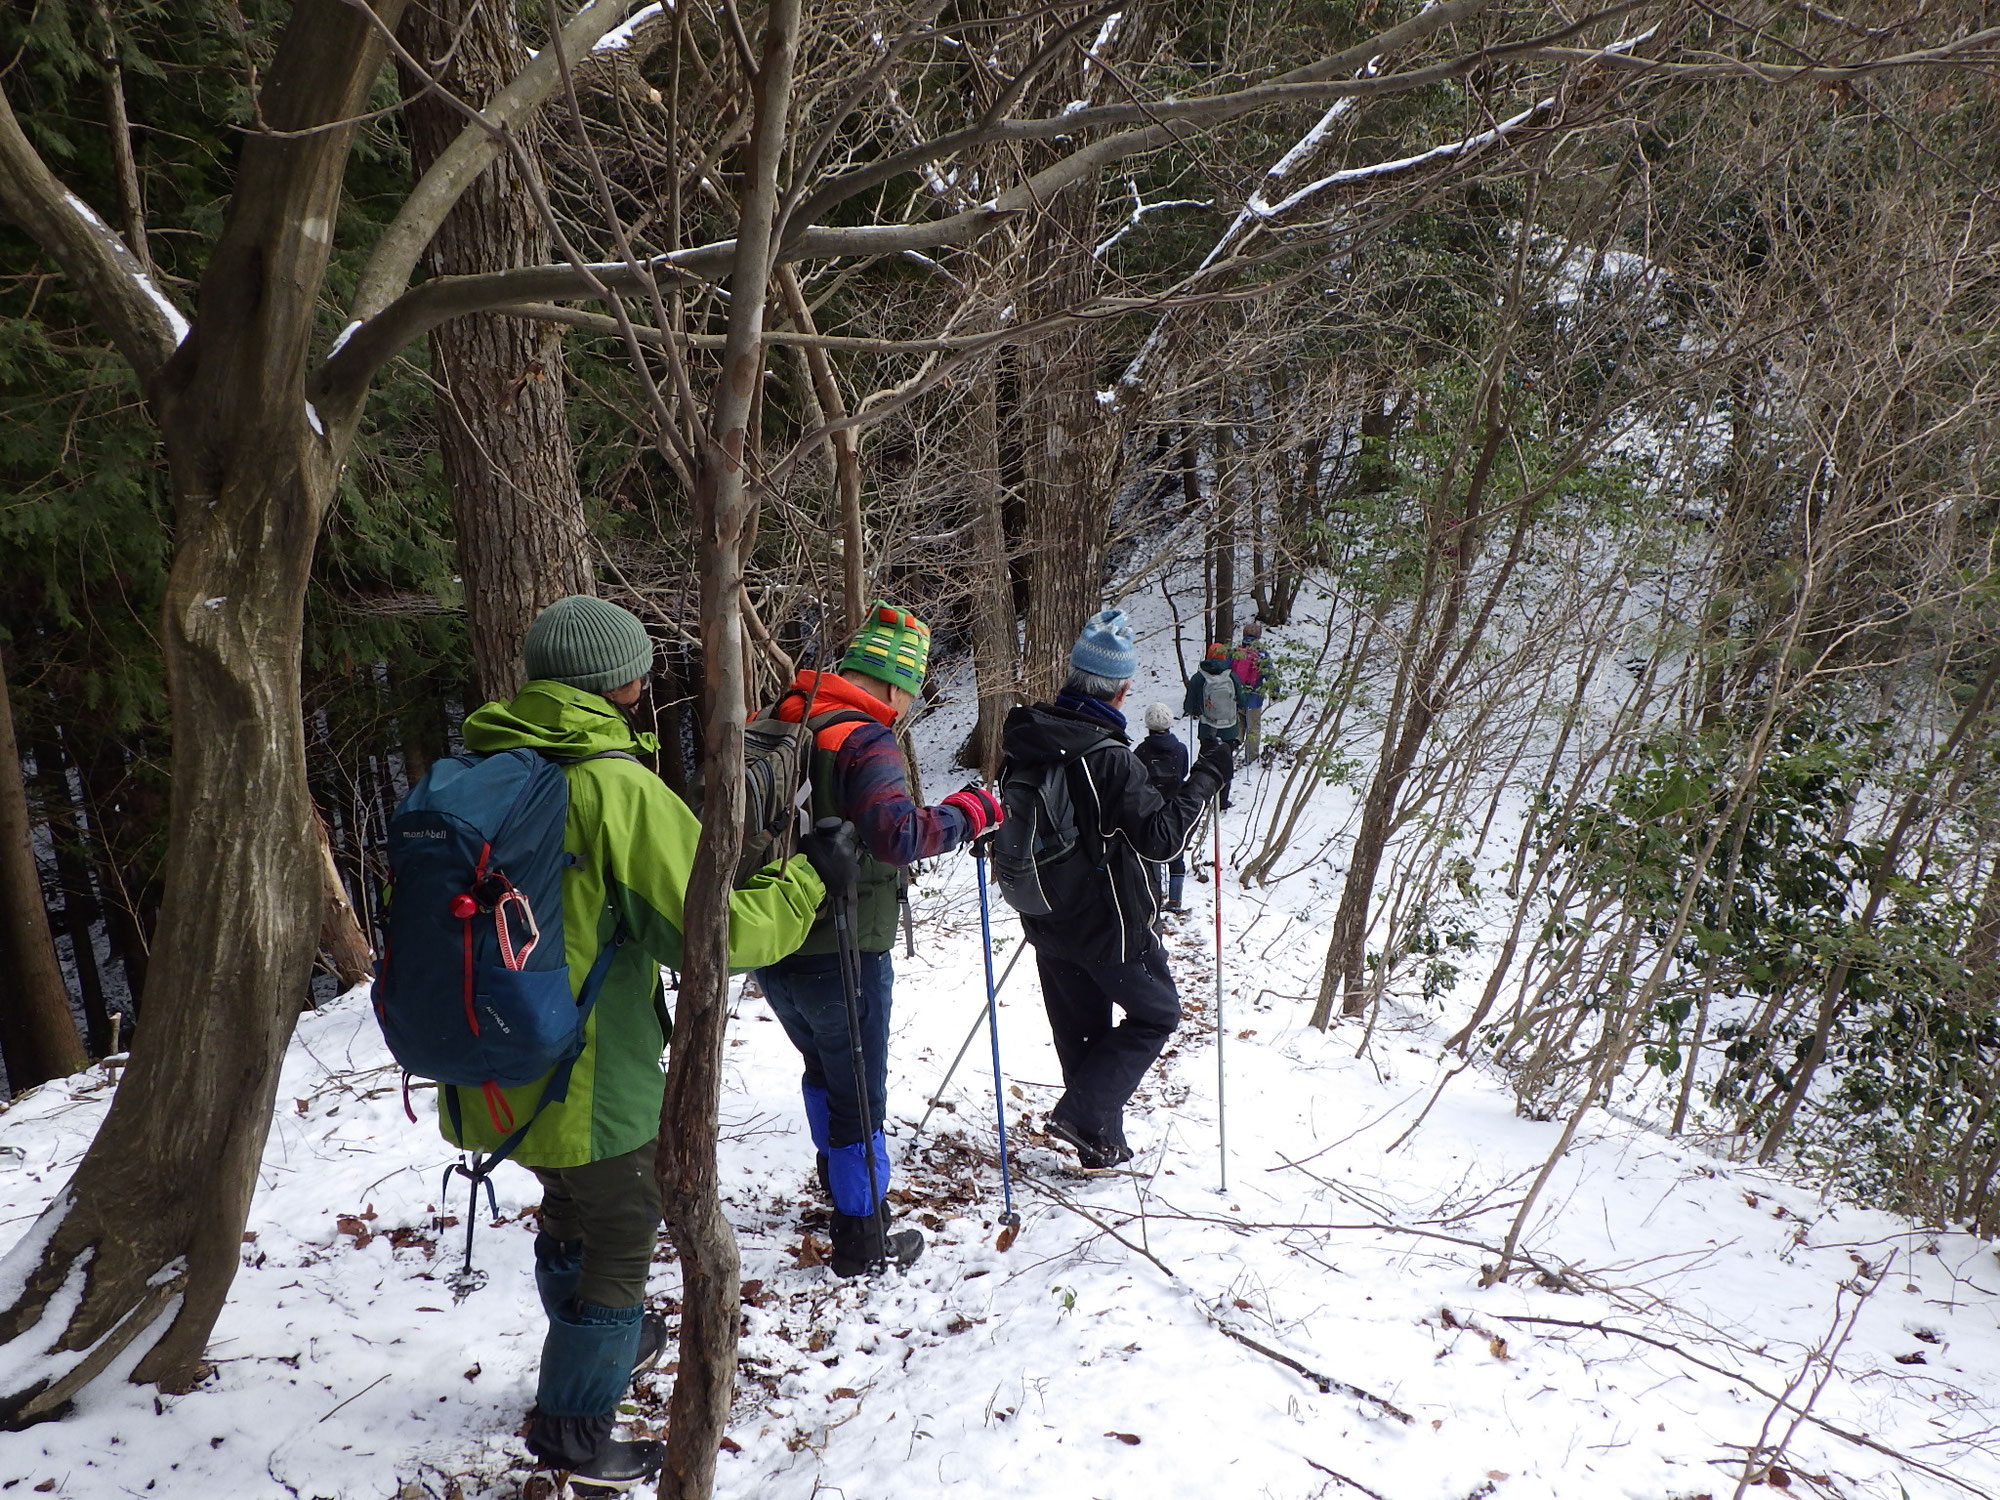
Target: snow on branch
1140, 208
126, 302
1105, 35
147, 287
620, 37
1465, 146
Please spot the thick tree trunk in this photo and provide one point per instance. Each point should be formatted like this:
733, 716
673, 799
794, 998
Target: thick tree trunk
1062, 440
995, 641
80, 906
125, 816
153, 1218
503, 427
38, 1037
725, 515
340, 934
1229, 475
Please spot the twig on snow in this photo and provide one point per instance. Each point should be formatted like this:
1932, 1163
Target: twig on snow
1326, 1383
1336, 1474
360, 1393
1861, 1440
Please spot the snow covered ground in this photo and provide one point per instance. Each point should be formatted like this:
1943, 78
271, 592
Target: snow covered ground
1316, 1329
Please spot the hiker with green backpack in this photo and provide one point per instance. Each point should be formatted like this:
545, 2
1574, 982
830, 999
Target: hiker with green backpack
835, 990
608, 868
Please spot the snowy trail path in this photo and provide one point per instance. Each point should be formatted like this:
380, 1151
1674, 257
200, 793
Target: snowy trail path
1072, 1365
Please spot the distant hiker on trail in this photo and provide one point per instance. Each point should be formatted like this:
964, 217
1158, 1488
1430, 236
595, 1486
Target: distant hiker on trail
1166, 761
1098, 950
858, 774
631, 846
1214, 701
1251, 665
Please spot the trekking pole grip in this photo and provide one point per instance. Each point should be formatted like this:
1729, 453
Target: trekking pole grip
834, 851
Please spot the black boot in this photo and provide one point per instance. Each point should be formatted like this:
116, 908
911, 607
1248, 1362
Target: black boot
1094, 1152
587, 1362
652, 1342
863, 1243
597, 1462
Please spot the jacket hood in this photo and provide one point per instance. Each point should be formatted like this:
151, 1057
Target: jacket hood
1039, 732
826, 692
1215, 666
556, 718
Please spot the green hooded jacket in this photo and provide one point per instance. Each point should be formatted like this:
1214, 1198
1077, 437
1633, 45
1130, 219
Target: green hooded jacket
631, 845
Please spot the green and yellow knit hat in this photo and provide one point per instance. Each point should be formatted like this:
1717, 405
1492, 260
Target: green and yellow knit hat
892, 646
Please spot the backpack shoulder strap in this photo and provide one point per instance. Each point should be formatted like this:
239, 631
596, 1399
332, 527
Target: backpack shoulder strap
831, 729
1097, 824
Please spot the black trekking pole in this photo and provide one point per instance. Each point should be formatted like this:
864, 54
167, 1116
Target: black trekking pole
1009, 1220
850, 984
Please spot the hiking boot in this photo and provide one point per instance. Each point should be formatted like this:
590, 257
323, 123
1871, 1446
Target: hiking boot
1093, 1152
861, 1243
597, 1463
652, 1343
1115, 1138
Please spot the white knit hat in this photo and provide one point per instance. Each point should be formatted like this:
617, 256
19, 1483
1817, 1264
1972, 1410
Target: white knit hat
1159, 716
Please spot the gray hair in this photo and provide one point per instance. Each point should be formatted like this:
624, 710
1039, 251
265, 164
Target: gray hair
1090, 685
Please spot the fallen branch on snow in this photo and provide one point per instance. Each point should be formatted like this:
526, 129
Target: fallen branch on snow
1327, 1384
1335, 1473
1861, 1440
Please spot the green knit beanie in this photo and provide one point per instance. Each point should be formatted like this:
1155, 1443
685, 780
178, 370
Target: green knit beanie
893, 646
588, 643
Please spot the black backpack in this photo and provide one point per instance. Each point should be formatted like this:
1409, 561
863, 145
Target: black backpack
1039, 833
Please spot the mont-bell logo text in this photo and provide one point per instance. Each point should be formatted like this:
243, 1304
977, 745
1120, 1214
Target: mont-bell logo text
424, 833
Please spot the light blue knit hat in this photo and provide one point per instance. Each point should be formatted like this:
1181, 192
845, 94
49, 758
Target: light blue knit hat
1105, 647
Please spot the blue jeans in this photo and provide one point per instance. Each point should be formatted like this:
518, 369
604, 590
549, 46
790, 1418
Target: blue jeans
809, 1001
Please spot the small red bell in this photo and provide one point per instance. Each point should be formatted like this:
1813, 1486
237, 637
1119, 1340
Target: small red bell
463, 906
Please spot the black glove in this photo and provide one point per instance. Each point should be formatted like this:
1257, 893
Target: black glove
833, 849
1218, 758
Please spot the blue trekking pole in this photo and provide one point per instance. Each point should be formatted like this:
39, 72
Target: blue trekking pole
1008, 1218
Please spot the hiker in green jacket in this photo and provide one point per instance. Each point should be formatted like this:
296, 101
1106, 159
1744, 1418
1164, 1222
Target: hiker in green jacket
631, 847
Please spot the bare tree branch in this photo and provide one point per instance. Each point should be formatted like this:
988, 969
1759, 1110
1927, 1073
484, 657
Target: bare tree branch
993, 126
395, 256
1966, 51
130, 306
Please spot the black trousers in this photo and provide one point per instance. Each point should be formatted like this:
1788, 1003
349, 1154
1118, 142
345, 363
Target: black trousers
1102, 1063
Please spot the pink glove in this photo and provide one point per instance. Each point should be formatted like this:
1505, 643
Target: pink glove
981, 808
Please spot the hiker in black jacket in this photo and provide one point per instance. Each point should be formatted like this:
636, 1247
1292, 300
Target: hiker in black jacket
1101, 950
1166, 761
